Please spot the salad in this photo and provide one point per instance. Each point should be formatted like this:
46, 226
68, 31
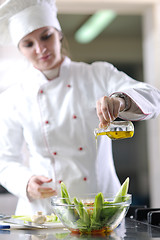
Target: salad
89, 215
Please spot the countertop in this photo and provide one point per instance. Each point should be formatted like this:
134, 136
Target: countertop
128, 230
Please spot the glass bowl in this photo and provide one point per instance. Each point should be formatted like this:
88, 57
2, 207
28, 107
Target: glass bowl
88, 217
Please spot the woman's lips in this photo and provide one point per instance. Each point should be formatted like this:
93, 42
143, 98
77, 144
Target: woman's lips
43, 58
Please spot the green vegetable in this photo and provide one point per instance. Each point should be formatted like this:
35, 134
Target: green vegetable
65, 194
98, 205
88, 217
122, 192
23, 217
82, 212
111, 212
50, 218
97, 209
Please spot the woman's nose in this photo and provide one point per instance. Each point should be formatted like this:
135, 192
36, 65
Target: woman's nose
40, 49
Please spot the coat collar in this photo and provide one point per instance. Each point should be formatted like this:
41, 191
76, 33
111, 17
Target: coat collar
35, 79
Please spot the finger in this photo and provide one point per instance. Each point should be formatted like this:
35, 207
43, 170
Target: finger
106, 108
100, 111
100, 114
45, 189
42, 192
43, 179
48, 195
46, 192
116, 108
115, 111
110, 103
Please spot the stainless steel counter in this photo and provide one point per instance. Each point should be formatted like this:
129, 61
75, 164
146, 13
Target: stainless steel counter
128, 230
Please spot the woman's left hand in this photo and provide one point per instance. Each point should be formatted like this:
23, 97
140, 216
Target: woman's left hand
108, 109
36, 190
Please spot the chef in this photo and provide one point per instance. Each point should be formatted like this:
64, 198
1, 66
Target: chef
54, 108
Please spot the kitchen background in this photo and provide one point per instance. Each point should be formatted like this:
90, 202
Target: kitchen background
130, 43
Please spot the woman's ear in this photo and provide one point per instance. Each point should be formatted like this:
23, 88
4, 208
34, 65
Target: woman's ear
61, 36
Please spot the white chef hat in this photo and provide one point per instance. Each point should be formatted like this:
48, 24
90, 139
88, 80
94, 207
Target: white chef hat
21, 17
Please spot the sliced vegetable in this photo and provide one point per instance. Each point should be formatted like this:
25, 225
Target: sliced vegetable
52, 218
122, 192
65, 194
49, 218
23, 217
82, 212
98, 205
96, 221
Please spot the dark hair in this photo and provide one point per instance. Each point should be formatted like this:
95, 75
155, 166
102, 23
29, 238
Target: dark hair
65, 46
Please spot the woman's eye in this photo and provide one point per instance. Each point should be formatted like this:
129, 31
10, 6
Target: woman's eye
29, 44
45, 37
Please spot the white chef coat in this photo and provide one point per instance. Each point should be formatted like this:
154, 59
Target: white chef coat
57, 120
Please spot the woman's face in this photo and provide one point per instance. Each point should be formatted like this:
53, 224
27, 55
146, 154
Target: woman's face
42, 48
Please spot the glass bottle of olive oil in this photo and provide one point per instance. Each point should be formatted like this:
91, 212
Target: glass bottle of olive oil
116, 130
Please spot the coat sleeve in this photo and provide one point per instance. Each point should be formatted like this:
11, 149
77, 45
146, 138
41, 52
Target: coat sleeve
14, 175
145, 102
145, 98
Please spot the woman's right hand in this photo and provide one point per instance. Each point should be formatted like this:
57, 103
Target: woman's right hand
108, 109
36, 190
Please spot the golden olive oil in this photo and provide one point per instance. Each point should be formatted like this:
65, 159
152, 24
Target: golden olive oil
116, 130
116, 134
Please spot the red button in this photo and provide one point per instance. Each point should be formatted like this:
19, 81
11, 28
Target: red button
74, 116
80, 149
46, 122
85, 179
55, 153
41, 91
68, 85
